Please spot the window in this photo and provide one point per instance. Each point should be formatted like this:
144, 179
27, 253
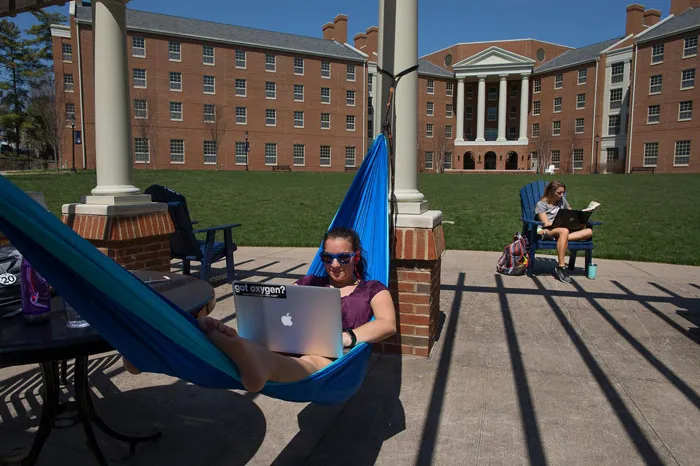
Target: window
298, 92
326, 69
176, 111
299, 67
350, 98
174, 51
270, 90
67, 52
558, 81
177, 151
449, 88
580, 101
651, 153
513, 112
447, 164
70, 111
349, 156
682, 154
241, 116
470, 92
270, 62
512, 132
615, 99
448, 131
270, 117
141, 153
138, 47
448, 110
209, 113
690, 47
325, 156
240, 88
556, 128
298, 119
325, 121
578, 159
370, 81
175, 81
557, 104
657, 54
614, 124
470, 113
209, 85
579, 125
612, 154
654, 114
428, 160
492, 113
350, 122
241, 154
655, 84
208, 55
270, 153
685, 110
431, 86
688, 79
299, 155
429, 130
240, 59
582, 76
469, 133
493, 93
537, 85
140, 109
430, 109
68, 82
535, 130
209, 152
514, 90
325, 95
139, 78
617, 73
535, 108
350, 73
556, 158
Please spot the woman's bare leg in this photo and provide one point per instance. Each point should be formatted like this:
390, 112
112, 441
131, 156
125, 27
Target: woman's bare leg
562, 235
581, 235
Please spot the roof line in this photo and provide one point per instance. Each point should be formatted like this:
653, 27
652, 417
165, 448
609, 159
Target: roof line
496, 41
616, 43
356, 50
655, 25
672, 33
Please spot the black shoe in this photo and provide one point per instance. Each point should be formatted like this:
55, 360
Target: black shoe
562, 274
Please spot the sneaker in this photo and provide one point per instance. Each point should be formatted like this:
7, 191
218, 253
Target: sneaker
562, 274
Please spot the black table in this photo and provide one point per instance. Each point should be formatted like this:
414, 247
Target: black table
51, 343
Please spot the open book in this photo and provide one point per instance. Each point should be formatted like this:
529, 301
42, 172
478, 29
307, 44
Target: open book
593, 205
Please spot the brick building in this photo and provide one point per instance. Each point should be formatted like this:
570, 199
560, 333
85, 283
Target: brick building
311, 104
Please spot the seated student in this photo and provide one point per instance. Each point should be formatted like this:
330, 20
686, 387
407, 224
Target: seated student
546, 211
360, 300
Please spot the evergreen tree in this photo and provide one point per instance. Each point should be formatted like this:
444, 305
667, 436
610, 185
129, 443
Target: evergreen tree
41, 31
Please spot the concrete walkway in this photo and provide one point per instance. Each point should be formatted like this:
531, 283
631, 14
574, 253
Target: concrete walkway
526, 371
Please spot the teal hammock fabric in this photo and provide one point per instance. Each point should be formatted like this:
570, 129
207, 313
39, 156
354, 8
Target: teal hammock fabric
154, 333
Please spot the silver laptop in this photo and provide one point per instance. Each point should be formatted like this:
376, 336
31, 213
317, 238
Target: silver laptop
290, 318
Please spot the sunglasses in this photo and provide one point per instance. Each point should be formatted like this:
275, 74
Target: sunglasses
343, 258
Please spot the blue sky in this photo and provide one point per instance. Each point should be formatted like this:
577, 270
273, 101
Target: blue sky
441, 22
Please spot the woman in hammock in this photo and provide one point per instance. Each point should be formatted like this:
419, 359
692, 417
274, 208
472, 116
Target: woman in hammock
360, 300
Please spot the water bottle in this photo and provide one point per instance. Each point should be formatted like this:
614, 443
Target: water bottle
35, 292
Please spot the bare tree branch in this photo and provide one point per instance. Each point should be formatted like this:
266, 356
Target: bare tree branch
217, 128
49, 107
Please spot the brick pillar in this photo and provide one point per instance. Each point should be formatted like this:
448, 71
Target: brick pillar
415, 286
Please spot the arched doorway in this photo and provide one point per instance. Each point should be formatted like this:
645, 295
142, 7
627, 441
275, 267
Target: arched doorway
469, 161
490, 161
512, 161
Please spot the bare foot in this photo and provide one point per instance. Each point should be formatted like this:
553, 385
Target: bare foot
248, 357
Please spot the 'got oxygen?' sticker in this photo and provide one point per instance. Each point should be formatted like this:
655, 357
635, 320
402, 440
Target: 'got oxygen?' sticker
260, 291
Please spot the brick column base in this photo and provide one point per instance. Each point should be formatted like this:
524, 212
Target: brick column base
414, 283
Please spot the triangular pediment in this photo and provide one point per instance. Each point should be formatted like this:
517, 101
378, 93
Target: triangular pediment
495, 57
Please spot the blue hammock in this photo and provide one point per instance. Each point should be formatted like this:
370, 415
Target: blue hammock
159, 337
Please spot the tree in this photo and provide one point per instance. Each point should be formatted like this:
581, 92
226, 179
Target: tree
440, 143
542, 145
42, 42
146, 128
47, 115
217, 128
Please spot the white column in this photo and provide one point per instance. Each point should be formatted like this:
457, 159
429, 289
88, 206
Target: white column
113, 143
460, 110
524, 103
481, 110
502, 107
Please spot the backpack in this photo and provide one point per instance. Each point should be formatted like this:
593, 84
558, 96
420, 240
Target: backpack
10, 263
515, 256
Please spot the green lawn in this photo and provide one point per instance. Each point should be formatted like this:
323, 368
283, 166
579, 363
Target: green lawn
647, 217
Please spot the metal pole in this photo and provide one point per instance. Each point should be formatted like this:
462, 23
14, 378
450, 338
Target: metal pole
247, 150
72, 126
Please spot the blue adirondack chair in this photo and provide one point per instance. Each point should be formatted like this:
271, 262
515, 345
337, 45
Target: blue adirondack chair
183, 241
529, 196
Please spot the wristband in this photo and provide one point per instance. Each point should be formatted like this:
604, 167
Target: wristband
353, 338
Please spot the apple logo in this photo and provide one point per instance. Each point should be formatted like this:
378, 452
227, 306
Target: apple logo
287, 320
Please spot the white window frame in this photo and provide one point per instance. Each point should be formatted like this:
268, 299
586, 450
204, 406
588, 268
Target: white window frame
688, 84
430, 86
430, 108
556, 128
209, 117
578, 159
326, 70
67, 57
582, 77
449, 110
244, 88
298, 66
579, 129
429, 158
326, 99
177, 82
492, 111
536, 108
692, 49
469, 92
136, 48
211, 86
270, 117
349, 122
688, 111
140, 113
209, 60
241, 115
174, 51
299, 153
325, 120
350, 98
350, 156
429, 130
556, 158
580, 102
241, 59
350, 73
298, 118
535, 130
141, 156
172, 153
616, 104
617, 128
558, 81
270, 90
322, 156
492, 96
537, 85
653, 114
448, 131
676, 163
207, 150
135, 79
660, 84
652, 147
270, 63
296, 94
270, 154
447, 163
558, 103
70, 114
449, 89
657, 54
68, 82
174, 104
617, 78
241, 154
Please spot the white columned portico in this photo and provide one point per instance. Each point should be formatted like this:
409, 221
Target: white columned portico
460, 109
481, 109
502, 107
524, 103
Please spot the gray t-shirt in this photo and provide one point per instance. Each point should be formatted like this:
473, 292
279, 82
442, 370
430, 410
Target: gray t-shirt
550, 210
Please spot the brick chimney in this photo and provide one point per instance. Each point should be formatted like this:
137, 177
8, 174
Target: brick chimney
635, 19
372, 42
340, 24
360, 41
651, 17
328, 31
681, 6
